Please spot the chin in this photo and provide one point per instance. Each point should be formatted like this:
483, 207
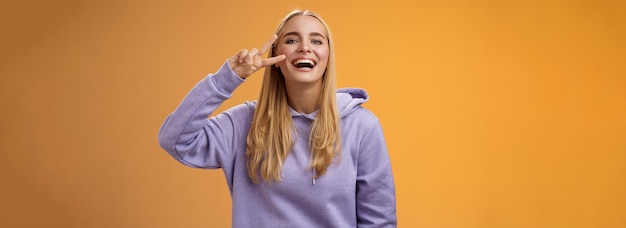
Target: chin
296, 75
304, 77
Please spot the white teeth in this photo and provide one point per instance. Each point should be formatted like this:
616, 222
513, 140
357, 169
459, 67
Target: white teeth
303, 61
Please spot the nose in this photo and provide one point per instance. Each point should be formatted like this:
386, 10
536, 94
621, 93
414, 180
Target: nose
304, 47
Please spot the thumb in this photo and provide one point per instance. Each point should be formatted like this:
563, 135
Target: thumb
273, 60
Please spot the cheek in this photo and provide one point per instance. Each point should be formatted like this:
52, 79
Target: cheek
323, 55
282, 50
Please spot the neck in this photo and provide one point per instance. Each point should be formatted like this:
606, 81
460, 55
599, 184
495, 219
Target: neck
304, 98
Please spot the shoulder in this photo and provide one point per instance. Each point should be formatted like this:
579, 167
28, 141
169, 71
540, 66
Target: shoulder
361, 120
361, 114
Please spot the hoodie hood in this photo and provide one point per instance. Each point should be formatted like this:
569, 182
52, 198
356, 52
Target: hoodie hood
348, 100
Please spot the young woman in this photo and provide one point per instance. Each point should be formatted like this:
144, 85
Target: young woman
305, 154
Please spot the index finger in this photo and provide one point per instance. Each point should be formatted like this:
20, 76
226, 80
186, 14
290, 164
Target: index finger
268, 44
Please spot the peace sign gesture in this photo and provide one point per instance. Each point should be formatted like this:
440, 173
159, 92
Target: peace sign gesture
245, 62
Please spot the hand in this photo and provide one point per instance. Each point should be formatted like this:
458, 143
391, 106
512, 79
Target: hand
245, 62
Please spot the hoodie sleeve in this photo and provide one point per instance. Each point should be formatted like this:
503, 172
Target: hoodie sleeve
194, 140
375, 193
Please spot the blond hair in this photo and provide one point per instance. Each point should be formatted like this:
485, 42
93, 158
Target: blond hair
271, 132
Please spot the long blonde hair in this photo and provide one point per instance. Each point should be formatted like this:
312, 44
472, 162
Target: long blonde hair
271, 132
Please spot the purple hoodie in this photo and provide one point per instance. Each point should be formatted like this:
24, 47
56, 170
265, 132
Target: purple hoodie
356, 191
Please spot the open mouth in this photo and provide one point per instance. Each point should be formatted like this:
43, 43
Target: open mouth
303, 63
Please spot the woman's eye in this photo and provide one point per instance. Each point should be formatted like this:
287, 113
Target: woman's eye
290, 41
318, 42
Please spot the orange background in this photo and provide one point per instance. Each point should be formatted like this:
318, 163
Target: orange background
496, 113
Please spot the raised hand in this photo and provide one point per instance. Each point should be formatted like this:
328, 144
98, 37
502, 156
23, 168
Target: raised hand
245, 62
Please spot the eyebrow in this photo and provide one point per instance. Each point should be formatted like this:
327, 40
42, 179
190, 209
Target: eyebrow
311, 34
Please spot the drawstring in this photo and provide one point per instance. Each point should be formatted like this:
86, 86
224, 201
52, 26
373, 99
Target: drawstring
314, 176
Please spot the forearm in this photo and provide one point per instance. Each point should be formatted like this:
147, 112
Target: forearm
183, 125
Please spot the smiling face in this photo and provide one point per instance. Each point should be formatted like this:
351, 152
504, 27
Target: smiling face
304, 41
